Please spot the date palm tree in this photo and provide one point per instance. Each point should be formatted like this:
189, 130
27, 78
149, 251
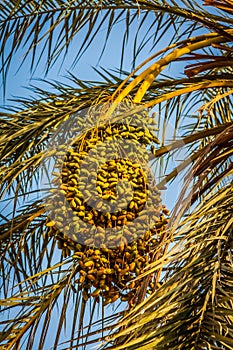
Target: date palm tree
191, 305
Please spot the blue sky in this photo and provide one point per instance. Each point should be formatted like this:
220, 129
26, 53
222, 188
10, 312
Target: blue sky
19, 80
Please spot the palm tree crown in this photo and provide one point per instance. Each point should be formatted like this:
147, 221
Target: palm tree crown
170, 288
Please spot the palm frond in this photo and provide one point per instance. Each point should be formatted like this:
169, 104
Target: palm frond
48, 28
193, 307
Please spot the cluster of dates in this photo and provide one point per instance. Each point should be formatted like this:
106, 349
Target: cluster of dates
103, 209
